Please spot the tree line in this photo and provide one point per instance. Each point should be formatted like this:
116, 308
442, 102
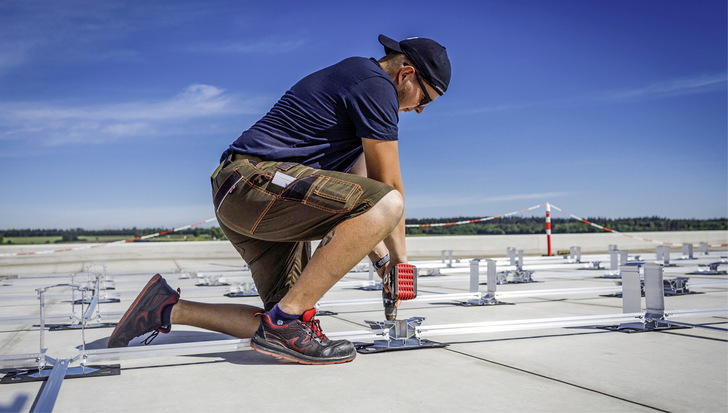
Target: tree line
77, 234
537, 225
507, 225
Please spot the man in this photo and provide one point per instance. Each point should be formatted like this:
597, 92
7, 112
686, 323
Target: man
323, 164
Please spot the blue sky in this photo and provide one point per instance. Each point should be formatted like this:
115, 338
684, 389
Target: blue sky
114, 114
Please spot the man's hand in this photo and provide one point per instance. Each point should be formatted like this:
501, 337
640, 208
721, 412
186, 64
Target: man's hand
399, 283
385, 275
382, 164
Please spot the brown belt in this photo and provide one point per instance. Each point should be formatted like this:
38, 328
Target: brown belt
232, 158
240, 156
229, 184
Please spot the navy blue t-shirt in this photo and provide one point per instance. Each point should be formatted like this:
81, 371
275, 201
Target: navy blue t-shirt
320, 120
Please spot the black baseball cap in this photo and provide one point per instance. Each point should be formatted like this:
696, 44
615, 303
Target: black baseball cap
428, 57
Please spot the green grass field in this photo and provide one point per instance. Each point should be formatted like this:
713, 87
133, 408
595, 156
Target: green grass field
100, 239
103, 238
54, 240
30, 240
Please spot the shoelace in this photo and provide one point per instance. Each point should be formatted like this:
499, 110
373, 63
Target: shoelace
315, 327
150, 337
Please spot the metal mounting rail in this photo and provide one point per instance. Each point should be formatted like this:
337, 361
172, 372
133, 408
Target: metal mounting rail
23, 360
56, 318
49, 394
476, 295
716, 283
693, 312
419, 299
34, 319
106, 355
115, 315
200, 347
529, 324
558, 291
498, 294
560, 322
221, 346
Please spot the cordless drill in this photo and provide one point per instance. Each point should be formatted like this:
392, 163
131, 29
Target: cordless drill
398, 284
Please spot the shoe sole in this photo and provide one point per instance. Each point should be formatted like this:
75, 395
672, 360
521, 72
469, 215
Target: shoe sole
131, 309
282, 352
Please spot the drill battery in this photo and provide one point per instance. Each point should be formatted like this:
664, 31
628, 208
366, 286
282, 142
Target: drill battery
399, 284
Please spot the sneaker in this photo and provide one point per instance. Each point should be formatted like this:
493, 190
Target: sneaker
301, 341
145, 314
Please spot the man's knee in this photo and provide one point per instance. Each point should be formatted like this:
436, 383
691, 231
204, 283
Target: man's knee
392, 206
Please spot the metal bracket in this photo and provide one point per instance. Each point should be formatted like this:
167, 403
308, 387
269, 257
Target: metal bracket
653, 288
398, 335
517, 276
710, 269
593, 265
212, 281
432, 272
489, 297
371, 287
246, 289
574, 255
91, 312
485, 300
51, 370
23, 376
671, 287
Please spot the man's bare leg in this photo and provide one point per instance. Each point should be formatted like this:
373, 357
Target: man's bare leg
340, 250
237, 320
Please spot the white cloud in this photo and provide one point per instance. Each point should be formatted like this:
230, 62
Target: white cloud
428, 201
60, 123
265, 46
195, 101
672, 88
659, 90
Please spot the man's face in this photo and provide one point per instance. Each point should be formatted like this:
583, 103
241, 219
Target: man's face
413, 92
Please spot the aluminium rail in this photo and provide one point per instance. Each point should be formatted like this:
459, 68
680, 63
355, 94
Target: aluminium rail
115, 315
222, 346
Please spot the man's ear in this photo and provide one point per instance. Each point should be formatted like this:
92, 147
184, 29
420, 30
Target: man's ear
404, 72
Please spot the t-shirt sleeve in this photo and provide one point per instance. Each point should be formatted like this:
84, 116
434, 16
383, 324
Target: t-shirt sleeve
372, 107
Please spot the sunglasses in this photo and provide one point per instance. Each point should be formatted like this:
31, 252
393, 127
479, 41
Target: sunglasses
427, 99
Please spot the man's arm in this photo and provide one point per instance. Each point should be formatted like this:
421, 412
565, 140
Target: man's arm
382, 164
380, 250
360, 167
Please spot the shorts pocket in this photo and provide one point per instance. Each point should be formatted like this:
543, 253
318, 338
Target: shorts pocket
246, 204
245, 215
324, 192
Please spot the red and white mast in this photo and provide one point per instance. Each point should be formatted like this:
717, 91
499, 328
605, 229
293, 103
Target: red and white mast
548, 227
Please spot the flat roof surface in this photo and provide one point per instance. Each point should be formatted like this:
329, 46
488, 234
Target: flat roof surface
539, 367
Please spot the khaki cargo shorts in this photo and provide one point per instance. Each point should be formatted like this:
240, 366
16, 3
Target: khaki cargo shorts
271, 210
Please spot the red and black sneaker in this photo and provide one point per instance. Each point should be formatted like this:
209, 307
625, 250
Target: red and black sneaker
301, 341
145, 314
